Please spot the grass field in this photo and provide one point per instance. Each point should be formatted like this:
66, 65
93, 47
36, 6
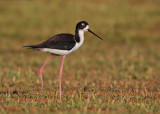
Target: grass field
120, 74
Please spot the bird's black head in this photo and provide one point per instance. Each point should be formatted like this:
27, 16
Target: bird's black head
84, 26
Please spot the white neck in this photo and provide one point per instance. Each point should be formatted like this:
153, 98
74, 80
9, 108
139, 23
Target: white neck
81, 37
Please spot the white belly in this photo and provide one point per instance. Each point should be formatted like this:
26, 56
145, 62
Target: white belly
60, 52
55, 51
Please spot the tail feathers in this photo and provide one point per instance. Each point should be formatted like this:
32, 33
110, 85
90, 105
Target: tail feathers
31, 46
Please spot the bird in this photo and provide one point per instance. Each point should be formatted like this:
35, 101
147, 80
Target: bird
62, 45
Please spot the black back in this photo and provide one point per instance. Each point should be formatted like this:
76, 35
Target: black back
60, 41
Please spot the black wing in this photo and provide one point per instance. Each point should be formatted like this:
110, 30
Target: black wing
60, 41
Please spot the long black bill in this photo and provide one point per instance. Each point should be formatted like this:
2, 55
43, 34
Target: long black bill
94, 34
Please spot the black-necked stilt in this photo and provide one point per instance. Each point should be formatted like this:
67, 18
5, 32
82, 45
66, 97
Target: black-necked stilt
63, 44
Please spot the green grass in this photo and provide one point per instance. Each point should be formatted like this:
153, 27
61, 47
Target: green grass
117, 75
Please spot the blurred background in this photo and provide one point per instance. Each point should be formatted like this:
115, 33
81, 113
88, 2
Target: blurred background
119, 74
129, 51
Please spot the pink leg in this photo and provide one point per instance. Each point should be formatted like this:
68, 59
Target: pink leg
60, 76
41, 69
